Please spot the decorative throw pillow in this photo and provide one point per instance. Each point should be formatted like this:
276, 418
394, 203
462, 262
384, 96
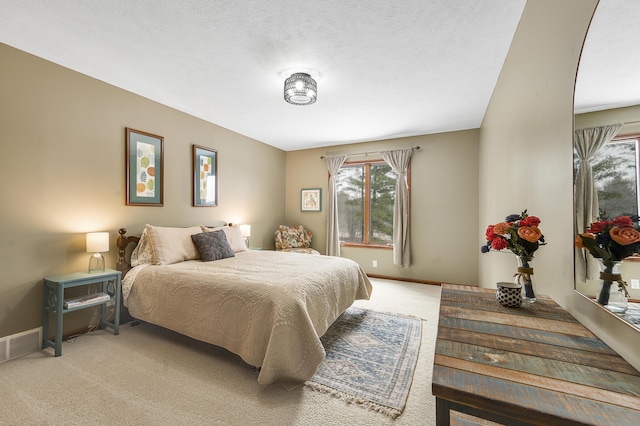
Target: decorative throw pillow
212, 245
234, 236
172, 245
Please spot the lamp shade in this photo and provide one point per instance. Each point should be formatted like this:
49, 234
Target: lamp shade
245, 230
300, 89
97, 242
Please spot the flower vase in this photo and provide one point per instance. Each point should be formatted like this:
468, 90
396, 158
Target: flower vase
524, 276
612, 294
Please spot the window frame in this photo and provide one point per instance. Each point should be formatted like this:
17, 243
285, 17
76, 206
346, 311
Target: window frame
629, 137
367, 203
636, 137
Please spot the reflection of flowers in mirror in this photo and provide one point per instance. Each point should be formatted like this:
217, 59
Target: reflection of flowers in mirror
611, 240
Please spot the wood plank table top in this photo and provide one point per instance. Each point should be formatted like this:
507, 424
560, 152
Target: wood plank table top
533, 365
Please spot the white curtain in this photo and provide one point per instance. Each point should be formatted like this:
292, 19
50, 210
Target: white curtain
399, 162
333, 232
587, 143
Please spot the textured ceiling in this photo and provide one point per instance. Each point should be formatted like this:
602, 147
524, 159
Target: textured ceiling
609, 71
384, 68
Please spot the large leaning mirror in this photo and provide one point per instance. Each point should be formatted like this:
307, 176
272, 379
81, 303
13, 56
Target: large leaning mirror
607, 135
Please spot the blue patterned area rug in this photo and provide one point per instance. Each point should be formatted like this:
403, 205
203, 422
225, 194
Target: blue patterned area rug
371, 357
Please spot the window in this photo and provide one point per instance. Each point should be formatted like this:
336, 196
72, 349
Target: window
615, 171
366, 193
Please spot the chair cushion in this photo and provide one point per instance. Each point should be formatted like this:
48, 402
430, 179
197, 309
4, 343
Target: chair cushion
301, 250
292, 237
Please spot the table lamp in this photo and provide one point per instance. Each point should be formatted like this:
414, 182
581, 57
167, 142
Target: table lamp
97, 242
245, 230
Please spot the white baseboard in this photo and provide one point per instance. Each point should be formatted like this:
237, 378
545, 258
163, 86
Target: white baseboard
19, 344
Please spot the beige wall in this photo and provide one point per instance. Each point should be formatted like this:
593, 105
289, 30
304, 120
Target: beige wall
628, 115
444, 205
526, 157
62, 174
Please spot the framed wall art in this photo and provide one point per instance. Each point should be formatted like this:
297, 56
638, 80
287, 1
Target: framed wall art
205, 177
144, 168
311, 200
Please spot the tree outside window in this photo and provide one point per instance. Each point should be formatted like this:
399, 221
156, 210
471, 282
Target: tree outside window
366, 193
615, 173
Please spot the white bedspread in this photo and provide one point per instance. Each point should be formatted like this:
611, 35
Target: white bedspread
270, 308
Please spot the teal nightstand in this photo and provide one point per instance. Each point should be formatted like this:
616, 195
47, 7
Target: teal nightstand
53, 301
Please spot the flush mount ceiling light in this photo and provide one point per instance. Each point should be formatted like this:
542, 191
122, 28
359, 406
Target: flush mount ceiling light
300, 89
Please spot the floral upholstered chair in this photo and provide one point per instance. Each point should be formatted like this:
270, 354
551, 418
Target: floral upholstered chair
294, 239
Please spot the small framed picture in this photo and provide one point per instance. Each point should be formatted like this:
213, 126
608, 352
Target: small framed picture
311, 200
205, 177
144, 168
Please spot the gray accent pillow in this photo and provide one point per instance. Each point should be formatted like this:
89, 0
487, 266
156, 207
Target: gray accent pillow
212, 245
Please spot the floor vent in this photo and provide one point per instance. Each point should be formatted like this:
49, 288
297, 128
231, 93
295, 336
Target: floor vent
20, 344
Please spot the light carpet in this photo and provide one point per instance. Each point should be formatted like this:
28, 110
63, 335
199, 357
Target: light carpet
371, 357
151, 376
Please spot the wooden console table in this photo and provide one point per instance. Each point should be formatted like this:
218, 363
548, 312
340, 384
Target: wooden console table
533, 365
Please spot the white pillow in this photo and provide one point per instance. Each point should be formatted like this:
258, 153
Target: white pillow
142, 254
234, 236
172, 245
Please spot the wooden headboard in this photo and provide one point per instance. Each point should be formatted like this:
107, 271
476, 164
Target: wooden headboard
123, 242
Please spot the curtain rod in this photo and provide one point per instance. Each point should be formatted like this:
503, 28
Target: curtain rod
621, 123
365, 153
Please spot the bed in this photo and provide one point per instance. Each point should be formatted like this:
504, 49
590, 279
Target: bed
268, 307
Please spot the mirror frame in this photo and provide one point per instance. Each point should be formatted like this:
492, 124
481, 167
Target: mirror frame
627, 130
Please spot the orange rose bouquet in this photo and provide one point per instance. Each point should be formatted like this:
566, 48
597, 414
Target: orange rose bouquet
611, 240
518, 233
